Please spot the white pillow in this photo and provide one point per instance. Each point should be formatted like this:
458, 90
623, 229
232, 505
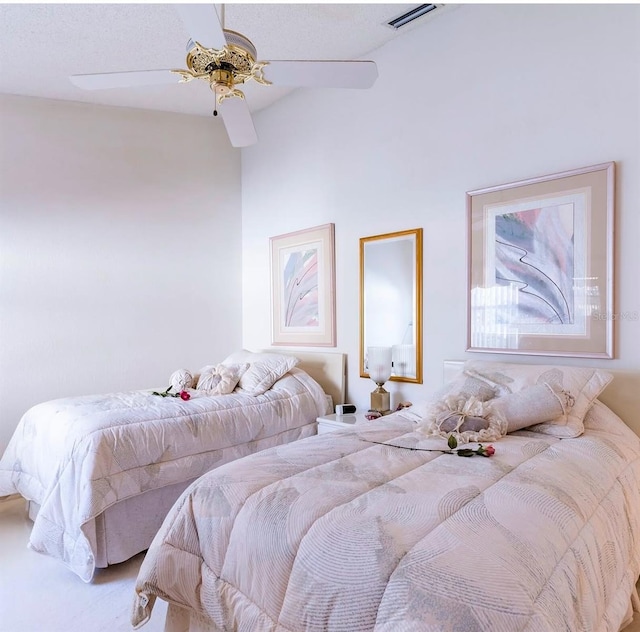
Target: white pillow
536, 404
262, 375
466, 387
240, 356
221, 379
265, 369
181, 380
581, 383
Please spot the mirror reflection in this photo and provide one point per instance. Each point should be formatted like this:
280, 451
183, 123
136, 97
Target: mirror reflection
391, 301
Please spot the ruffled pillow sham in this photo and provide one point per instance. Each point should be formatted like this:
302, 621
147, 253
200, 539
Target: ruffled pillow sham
468, 420
463, 387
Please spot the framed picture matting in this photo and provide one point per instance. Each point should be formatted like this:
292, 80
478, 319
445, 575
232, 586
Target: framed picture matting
303, 287
540, 276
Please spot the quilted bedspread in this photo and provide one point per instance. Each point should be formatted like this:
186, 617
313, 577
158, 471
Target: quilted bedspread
77, 456
337, 533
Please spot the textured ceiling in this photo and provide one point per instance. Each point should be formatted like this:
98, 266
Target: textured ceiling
42, 44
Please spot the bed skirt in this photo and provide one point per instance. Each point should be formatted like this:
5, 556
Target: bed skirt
112, 534
128, 527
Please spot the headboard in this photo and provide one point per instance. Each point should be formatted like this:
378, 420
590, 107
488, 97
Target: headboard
326, 368
622, 395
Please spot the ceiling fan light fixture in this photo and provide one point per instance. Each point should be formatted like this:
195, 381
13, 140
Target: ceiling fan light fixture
226, 67
221, 81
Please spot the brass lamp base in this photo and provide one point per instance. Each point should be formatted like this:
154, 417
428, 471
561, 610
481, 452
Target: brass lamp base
381, 400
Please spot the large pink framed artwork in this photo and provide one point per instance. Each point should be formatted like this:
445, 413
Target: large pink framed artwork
303, 288
540, 277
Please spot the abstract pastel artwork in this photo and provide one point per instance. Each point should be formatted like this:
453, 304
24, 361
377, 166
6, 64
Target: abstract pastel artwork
534, 250
300, 275
540, 260
539, 251
303, 287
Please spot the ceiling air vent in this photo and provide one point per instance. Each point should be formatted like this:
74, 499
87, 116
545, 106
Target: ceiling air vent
410, 16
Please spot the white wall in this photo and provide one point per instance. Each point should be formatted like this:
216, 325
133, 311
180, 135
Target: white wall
483, 95
120, 239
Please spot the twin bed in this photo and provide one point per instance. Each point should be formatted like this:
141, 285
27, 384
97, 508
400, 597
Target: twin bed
374, 527
101, 472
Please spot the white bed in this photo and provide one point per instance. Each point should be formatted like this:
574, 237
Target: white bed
100, 472
362, 529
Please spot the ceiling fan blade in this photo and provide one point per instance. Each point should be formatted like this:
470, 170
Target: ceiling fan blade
237, 119
202, 24
129, 79
322, 74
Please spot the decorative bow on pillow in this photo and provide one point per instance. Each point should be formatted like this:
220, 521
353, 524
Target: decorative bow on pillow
220, 379
468, 420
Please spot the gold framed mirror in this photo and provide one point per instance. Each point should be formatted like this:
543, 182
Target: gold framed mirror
391, 301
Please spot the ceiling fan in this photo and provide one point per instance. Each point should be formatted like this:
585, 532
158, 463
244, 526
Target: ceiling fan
226, 59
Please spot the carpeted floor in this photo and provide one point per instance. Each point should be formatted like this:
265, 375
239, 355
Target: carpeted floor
39, 594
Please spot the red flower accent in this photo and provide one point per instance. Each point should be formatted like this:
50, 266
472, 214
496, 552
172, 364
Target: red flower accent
488, 451
184, 395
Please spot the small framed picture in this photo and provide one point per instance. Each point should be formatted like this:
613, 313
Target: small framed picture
303, 288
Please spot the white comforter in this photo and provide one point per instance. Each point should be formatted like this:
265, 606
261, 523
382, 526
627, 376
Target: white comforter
336, 533
77, 456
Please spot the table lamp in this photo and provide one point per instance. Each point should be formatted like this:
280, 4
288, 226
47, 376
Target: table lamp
380, 367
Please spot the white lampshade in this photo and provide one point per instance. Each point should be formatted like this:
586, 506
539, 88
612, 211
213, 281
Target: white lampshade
379, 363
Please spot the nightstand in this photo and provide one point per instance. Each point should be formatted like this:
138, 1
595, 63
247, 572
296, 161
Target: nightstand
329, 423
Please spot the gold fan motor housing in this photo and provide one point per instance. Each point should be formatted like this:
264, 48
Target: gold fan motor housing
225, 68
